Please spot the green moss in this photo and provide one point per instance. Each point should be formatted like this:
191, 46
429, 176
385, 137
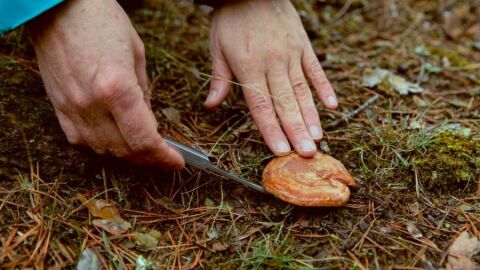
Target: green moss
450, 160
455, 58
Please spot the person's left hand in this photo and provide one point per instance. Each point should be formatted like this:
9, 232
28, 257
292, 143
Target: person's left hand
263, 43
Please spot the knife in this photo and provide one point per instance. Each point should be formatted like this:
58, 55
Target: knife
197, 159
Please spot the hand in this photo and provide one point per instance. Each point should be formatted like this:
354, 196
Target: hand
93, 65
263, 43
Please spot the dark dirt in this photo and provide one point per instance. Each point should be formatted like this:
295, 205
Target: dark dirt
225, 225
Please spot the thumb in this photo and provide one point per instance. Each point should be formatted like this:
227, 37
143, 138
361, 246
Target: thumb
220, 84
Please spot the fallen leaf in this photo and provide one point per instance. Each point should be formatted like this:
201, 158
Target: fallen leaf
476, 45
102, 209
115, 227
218, 246
146, 240
143, 263
155, 233
414, 208
88, 261
172, 115
402, 86
452, 25
209, 202
420, 102
110, 221
212, 234
372, 78
461, 252
455, 21
422, 51
413, 230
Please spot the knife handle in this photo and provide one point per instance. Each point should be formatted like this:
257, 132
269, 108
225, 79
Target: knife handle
191, 156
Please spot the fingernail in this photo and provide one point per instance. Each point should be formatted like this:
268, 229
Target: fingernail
332, 101
307, 146
282, 147
315, 132
212, 95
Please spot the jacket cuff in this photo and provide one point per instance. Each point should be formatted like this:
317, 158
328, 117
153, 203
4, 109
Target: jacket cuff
14, 13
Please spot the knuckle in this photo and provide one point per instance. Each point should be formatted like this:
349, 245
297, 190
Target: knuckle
246, 59
276, 56
286, 101
271, 126
111, 88
297, 128
140, 47
81, 101
142, 146
74, 139
76, 98
119, 153
261, 105
98, 150
286, 97
301, 89
296, 44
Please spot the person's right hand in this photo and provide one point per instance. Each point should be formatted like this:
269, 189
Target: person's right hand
93, 65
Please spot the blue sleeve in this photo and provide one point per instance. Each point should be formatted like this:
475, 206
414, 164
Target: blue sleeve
14, 13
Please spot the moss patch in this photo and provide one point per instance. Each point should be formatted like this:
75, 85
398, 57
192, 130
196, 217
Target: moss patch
450, 159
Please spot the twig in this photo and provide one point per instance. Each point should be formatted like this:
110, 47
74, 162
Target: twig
358, 110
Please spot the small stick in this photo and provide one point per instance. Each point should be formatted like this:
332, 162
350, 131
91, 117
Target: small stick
358, 110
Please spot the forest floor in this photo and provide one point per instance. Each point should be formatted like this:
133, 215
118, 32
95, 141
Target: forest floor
416, 156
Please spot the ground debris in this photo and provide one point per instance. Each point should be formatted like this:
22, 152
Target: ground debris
110, 217
461, 251
146, 240
413, 230
172, 115
377, 76
88, 261
143, 263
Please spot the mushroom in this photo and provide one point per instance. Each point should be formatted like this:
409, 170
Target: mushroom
318, 181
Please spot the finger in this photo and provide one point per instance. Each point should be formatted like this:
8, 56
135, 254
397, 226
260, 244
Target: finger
305, 101
263, 113
220, 84
73, 136
85, 124
315, 73
141, 70
288, 111
111, 139
137, 125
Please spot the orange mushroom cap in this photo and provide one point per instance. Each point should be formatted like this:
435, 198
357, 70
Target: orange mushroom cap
318, 181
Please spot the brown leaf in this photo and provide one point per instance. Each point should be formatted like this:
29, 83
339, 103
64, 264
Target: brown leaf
172, 114
146, 240
218, 246
461, 251
102, 209
115, 227
413, 230
453, 24
110, 221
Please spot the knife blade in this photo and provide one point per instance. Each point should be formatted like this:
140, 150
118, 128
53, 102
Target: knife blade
197, 159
